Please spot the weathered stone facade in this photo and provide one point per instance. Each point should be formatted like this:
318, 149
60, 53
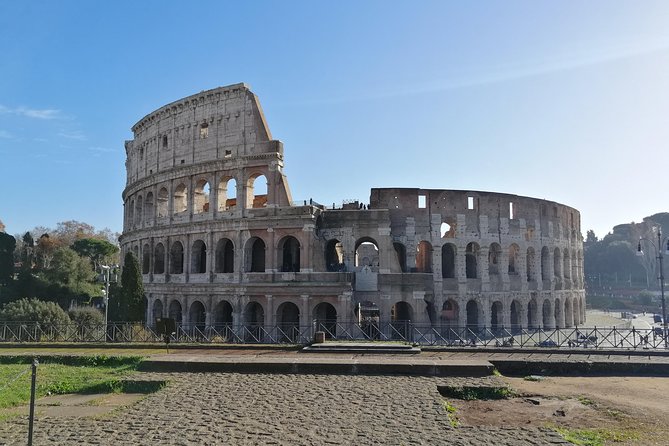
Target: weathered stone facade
214, 251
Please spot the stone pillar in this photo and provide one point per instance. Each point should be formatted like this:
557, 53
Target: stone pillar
305, 315
270, 311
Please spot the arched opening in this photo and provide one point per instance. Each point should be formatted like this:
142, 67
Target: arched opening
177, 258
139, 207
401, 315
472, 315
557, 263
146, 259
558, 314
367, 254
471, 260
532, 314
159, 259
254, 319
198, 258
257, 191
131, 213
515, 316
288, 320
424, 257
494, 258
566, 266
180, 200
529, 265
545, 264
225, 256
148, 207
513, 259
448, 261
175, 311
163, 199
255, 255
201, 195
334, 256
449, 313
289, 254
227, 194
401, 253
367, 314
547, 313
157, 309
325, 317
197, 317
496, 316
223, 319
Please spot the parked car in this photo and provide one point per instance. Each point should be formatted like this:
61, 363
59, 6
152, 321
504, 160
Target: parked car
546, 343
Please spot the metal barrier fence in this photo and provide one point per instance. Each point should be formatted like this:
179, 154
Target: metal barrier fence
575, 338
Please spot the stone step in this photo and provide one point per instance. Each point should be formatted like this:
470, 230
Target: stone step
361, 348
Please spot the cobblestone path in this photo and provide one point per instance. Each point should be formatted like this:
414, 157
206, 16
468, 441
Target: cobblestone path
259, 409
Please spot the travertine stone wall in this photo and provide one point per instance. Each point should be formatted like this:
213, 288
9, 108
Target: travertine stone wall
215, 250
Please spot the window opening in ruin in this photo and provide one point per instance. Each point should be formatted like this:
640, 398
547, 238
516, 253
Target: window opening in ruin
146, 259
228, 153
201, 197
424, 257
513, 259
566, 267
288, 320
254, 319
471, 261
177, 258
545, 264
139, 206
401, 315
197, 317
148, 207
175, 311
164, 141
289, 250
159, 259
257, 256
257, 192
204, 131
449, 315
444, 229
199, 257
367, 254
472, 315
227, 194
157, 308
325, 317
401, 252
470, 203
546, 310
515, 316
557, 263
422, 202
225, 256
180, 199
494, 256
334, 256
448, 261
496, 321
511, 210
163, 198
223, 315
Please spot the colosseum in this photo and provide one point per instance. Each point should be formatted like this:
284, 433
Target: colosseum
209, 215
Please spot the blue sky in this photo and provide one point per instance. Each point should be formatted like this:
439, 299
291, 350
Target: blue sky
567, 101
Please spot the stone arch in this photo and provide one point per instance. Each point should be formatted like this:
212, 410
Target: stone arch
401, 315
197, 315
177, 258
175, 311
496, 315
558, 313
473, 314
162, 202
256, 191
450, 313
529, 265
288, 320
401, 252
159, 259
201, 196
180, 199
334, 256
424, 257
289, 254
254, 320
148, 207
325, 318
367, 253
472, 260
255, 255
223, 314
547, 313
198, 264
157, 309
545, 265
448, 252
227, 194
139, 207
225, 256
557, 263
516, 312
533, 314
146, 259
494, 258
514, 251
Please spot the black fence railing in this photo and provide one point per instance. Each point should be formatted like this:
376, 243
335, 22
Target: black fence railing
403, 331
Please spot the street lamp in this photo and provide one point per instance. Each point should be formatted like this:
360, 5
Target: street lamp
658, 249
107, 278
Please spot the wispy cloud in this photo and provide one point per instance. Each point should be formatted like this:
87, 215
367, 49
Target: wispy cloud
6, 135
101, 149
76, 135
36, 113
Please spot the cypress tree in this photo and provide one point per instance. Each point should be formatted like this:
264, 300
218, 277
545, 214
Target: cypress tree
131, 306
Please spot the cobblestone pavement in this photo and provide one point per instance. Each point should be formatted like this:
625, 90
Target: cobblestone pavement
250, 409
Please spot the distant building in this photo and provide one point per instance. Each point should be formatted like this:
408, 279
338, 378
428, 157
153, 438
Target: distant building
216, 252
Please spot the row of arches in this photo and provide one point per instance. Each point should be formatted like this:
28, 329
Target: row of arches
196, 197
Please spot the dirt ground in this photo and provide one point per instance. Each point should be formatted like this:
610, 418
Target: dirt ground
635, 409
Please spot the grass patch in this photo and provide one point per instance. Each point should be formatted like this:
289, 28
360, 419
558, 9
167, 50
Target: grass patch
595, 437
586, 401
451, 413
470, 393
68, 374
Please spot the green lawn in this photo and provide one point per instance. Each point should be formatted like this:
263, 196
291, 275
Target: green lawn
60, 375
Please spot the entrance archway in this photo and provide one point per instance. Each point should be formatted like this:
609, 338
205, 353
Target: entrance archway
401, 315
288, 320
325, 318
254, 320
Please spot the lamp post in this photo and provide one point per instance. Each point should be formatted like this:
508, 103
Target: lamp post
107, 278
660, 256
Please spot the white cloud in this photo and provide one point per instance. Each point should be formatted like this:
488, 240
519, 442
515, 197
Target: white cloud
47, 113
76, 134
101, 149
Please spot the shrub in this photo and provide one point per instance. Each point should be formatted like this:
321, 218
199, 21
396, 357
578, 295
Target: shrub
87, 316
33, 310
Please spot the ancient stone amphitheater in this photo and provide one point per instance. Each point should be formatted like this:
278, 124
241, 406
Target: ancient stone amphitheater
209, 215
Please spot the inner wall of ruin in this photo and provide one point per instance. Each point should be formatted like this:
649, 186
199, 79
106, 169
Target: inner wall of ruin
209, 215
